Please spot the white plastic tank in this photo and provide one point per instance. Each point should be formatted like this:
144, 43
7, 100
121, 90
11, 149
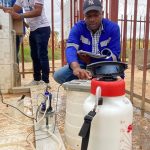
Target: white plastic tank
77, 91
111, 128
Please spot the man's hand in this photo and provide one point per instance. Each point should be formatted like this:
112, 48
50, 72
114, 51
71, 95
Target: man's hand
1, 7
80, 73
7, 9
12, 13
15, 15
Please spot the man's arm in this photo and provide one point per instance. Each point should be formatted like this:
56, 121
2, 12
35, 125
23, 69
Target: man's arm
33, 13
73, 43
80, 73
5, 8
15, 8
74, 65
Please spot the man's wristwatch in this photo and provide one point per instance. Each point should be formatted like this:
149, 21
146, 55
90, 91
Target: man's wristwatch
22, 16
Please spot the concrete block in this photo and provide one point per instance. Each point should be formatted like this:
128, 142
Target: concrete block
21, 89
6, 77
9, 72
7, 51
6, 25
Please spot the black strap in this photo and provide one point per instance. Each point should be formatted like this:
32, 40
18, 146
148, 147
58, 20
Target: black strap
85, 130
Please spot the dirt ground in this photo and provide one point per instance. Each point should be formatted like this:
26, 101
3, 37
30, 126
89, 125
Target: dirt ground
141, 125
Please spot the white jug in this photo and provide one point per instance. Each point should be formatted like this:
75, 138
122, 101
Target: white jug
111, 128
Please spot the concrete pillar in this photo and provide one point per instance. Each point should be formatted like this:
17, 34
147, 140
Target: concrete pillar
9, 74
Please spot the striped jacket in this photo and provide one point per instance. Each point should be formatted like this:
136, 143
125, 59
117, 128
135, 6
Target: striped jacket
80, 38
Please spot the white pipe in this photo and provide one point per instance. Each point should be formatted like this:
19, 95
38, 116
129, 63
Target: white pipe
59, 146
98, 95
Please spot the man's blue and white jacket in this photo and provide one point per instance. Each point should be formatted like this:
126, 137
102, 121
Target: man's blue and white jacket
80, 38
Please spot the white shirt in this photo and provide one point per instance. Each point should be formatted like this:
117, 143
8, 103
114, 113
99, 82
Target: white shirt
35, 22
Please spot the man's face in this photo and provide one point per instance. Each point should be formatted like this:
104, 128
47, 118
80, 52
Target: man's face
93, 19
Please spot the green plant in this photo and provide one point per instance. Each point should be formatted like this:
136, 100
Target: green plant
27, 57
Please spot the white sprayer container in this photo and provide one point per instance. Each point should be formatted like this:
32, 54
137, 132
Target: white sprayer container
111, 128
76, 91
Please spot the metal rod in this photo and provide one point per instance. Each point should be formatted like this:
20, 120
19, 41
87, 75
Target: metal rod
22, 60
107, 9
140, 34
133, 51
75, 11
121, 30
81, 17
131, 34
70, 13
62, 32
145, 57
124, 46
144, 32
130, 20
53, 35
113, 11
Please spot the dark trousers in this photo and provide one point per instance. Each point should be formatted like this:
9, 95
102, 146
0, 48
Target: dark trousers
18, 41
39, 53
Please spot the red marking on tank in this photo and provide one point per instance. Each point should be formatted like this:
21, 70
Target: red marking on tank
130, 128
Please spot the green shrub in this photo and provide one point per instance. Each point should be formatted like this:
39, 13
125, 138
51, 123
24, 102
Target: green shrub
27, 57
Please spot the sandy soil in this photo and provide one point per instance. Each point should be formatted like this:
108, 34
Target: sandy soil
141, 132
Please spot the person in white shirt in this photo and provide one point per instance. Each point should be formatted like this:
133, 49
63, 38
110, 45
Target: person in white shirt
39, 36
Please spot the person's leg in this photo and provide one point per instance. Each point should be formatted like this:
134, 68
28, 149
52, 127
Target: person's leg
42, 39
65, 74
17, 47
34, 56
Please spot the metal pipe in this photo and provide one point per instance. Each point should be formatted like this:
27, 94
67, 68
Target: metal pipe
52, 20
22, 60
107, 9
145, 57
140, 33
132, 20
62, 32
75, 11
144, 32
131, 34
113, 11
124, 48
133, 51
121, 30
81, 16
70, 13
